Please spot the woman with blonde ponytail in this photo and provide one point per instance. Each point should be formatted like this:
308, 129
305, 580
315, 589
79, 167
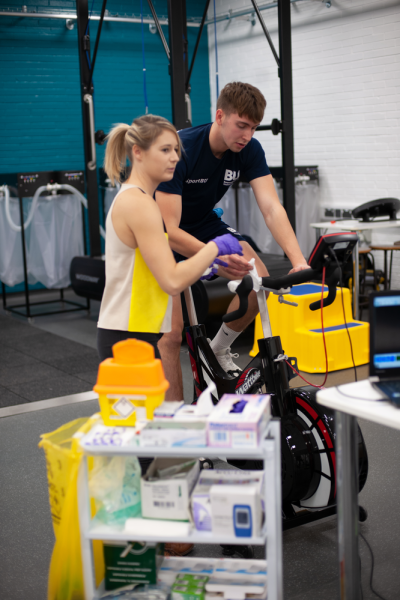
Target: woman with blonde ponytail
141, 272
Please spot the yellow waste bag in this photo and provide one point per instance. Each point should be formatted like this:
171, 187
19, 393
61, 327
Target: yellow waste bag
63, 457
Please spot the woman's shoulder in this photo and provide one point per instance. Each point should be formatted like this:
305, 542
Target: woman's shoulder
133, 193
133, 202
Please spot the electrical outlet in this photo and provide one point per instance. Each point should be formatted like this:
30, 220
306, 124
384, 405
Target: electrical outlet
329, 212
347, 214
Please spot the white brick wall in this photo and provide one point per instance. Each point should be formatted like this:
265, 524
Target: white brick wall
346, 84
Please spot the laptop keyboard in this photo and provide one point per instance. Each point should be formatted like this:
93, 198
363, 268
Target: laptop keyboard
390, 388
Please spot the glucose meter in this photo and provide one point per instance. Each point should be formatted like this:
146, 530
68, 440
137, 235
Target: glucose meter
242, 521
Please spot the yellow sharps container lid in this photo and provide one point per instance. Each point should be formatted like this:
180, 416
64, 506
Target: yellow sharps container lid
133, 369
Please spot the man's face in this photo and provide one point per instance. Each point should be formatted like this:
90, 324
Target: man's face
236, 131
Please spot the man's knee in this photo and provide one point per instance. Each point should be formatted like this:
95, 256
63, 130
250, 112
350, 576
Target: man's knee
249, 253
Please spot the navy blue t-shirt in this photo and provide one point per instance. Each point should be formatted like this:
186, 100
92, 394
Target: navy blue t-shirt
202, 179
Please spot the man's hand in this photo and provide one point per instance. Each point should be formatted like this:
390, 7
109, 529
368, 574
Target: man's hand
299, 267
237, 267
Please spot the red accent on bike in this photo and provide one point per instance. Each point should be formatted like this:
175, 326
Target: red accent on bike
325, 434
189, 340
321, 240
194, 369
242, 378
307, 407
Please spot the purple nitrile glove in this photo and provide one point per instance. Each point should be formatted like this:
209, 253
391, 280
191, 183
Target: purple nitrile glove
213, 269
228, 244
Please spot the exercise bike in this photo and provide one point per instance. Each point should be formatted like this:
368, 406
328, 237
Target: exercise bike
307, 429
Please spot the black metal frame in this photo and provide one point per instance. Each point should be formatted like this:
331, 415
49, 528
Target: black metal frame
177, 55
178, 62
28, 304
197, 45
285, 127
285, 74
86, 86
159, 29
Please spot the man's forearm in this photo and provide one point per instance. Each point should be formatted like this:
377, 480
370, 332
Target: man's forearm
282, 231
183, 243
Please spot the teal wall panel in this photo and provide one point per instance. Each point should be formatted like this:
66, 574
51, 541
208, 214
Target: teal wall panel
40, 107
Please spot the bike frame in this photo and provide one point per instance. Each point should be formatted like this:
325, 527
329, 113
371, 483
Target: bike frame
310, 425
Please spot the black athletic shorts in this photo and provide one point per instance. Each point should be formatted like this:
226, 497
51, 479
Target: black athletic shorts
212, 229
106, 338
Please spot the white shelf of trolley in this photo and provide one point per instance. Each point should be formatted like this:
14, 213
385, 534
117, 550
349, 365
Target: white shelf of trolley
271, 535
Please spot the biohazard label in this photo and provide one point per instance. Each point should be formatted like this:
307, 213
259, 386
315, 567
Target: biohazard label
124, 408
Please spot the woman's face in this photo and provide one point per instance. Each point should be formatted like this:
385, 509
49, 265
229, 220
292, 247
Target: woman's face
161, 158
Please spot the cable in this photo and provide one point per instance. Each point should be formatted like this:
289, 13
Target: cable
90, 16
216, 51
359, 397
146, 104
372, 568
322, 326
87, 51
301, 376
344, 312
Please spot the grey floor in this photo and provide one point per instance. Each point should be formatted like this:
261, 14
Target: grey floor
26, 536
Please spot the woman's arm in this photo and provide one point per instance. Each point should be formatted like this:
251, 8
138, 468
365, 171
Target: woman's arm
143, 217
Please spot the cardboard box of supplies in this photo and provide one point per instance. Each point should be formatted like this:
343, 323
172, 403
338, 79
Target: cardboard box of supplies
166, 488
238, 421
200, 502
172, 433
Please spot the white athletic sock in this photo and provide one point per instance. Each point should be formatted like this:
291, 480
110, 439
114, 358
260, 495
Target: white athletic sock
224, 338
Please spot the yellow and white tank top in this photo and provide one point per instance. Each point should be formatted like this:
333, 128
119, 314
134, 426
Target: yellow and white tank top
132, 299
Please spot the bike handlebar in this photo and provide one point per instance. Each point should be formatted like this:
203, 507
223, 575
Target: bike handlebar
286, 281
282, 283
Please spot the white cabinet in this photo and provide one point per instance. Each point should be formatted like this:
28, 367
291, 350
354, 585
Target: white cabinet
269, 451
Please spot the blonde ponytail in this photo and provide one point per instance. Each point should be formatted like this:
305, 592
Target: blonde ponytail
115, 156
143, 132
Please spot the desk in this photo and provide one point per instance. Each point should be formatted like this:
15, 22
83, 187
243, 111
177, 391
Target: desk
354, 225
346, 410
386, 249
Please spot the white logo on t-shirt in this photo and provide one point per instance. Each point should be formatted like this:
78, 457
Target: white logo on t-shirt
230, 176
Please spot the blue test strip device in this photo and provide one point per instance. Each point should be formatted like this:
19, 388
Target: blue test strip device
242, 520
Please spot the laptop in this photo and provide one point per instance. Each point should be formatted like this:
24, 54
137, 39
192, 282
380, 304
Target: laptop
384, 337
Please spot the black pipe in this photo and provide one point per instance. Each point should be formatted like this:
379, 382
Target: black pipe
197, 43
179, 61
264, 128
26, 288
82, 13
103, 9
271, 45
160, 31
285, 73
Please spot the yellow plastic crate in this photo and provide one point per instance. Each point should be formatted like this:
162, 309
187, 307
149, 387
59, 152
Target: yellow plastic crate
301, 333
132, 378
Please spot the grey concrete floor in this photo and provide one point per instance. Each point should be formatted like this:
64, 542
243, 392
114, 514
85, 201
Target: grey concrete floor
309, 552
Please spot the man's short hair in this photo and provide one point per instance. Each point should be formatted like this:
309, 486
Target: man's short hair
243, 99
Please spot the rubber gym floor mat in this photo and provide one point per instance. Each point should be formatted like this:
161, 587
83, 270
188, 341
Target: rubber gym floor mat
37, 365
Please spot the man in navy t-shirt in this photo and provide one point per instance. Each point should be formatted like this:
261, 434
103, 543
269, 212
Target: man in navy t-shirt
214, 156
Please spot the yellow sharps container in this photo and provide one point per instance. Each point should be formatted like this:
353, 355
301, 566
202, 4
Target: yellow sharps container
132, 378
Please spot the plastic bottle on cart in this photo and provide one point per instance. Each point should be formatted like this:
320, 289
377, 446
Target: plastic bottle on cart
133, 379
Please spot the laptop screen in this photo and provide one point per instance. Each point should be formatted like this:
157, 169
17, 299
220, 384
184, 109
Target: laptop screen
385, 334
